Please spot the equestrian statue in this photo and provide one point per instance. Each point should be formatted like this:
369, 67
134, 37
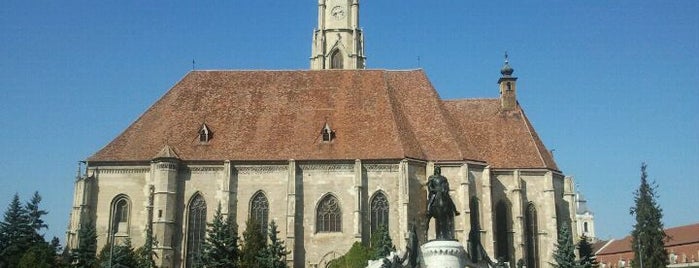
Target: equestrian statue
440, 206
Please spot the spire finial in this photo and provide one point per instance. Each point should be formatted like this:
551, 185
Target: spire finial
506, 69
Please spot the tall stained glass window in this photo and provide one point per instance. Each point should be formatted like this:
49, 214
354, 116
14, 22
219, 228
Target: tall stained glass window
196, 230
379, 211
502, 231
531, 236
259, 209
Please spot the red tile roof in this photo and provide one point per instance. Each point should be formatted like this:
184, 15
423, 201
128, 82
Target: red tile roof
278, 115
681, 240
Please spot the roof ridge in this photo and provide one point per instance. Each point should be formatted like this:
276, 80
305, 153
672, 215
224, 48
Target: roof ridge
307, 70
534, 136
133, 123
449, 121
392, 103
471, 99
605, 246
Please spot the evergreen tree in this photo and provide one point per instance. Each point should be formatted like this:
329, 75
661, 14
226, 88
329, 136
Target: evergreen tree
564, 255
145, 255
587, 257
56, 245
34, 215
648, 235
381, 244
221, 246
84, 255
254, 241
16, 234
41, 255
356, 257
122, 255
274, 255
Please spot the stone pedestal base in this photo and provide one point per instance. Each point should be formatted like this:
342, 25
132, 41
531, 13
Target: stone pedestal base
443, 254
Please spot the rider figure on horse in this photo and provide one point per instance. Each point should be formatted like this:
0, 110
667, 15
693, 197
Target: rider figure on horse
438, 183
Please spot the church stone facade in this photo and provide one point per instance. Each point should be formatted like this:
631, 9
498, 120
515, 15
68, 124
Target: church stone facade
329, 155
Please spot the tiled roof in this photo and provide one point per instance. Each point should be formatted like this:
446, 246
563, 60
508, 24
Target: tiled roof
278, 115
682, 235
505, 139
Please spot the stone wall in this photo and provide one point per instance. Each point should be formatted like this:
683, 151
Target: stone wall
294, 189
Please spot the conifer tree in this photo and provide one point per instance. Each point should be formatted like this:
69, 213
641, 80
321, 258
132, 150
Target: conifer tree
274, 255
648, 235
84, 256
122, 255
16, 234
221, 246
381, 243
145, 255
34, 215
40, 255
587, 257
356, 257
254, 241
564, 255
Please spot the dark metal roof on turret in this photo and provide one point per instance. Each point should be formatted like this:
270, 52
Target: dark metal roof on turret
507, 69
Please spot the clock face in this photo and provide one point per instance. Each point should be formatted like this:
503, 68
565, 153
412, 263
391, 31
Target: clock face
338, 12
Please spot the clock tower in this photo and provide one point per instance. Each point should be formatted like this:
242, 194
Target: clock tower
338, 42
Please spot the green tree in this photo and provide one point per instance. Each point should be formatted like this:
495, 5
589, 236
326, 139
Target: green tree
16, 234
356, 257
84, 256
34, 214
41, 255
122, 255
254, 241
145, 255
587, 256
381, 244
274, 255
221, 246
648, 235
564, 255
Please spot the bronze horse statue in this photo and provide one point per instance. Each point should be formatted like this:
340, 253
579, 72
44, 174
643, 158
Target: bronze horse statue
440, 206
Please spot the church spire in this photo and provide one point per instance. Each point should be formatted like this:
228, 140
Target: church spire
338, 42
508, 89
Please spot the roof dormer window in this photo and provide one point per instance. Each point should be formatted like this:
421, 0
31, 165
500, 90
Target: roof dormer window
205, 134
327, 133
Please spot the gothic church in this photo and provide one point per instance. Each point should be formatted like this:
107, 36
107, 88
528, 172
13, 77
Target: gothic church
329, 154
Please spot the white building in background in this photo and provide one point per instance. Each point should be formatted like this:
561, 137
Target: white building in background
584, 218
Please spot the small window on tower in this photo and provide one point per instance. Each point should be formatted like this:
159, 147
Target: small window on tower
205, 134
509, 86
327, 133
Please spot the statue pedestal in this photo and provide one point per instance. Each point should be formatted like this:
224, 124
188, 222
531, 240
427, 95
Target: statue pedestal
443, 254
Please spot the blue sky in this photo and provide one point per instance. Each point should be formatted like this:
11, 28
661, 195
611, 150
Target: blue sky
607, 84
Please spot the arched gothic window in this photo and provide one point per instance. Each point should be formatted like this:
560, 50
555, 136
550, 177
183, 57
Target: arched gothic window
336, 60
259, 209
531, 236
502, 231
196, 230
329, 215
379, 211
120, 215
